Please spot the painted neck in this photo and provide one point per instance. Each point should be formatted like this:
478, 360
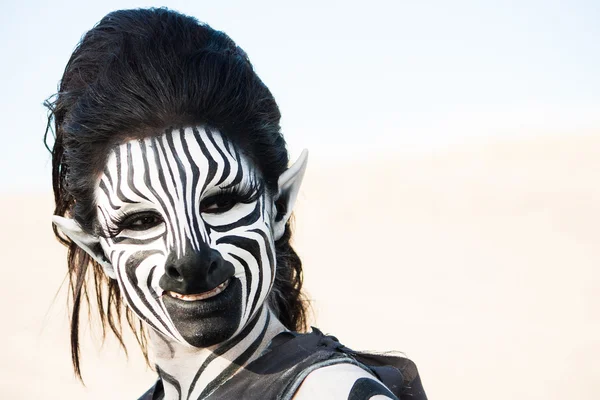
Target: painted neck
191, 373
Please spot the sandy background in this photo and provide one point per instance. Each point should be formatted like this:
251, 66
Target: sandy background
479, 262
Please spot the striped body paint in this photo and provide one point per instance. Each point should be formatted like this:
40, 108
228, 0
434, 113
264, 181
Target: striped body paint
184, 214
187, 229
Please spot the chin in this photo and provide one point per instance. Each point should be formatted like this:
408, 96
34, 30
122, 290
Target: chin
211, 332
205, 323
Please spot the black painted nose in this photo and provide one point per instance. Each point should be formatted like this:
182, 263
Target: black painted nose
196, 271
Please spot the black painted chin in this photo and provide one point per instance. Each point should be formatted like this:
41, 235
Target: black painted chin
204, 323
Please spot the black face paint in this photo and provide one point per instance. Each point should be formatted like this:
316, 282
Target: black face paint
189, 233
219, 316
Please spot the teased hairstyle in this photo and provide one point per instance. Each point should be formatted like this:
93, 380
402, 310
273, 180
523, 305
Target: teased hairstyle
134, 74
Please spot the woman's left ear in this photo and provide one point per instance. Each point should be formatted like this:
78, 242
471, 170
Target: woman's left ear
288, 186
87, 242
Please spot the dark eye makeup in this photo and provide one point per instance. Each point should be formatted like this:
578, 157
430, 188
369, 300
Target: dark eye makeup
220, 203
139, 221
228, 198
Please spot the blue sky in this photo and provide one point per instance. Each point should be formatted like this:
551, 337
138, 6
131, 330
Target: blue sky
353, 79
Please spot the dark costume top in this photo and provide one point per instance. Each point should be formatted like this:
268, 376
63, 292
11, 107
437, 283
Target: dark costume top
291, 356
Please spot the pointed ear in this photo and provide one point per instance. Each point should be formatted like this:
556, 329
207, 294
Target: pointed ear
89, 243
288, 187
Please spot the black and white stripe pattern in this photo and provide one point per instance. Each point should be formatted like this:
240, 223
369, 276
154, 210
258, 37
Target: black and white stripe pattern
170, 175
341, 382
189, 374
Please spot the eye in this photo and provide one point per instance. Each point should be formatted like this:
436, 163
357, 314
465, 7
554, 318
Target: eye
141, 221
219, 204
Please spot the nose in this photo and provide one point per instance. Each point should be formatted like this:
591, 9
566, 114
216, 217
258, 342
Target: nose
195, 271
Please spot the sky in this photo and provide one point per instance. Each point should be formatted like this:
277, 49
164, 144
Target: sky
353, 79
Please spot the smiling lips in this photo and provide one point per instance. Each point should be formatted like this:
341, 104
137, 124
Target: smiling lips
200, 296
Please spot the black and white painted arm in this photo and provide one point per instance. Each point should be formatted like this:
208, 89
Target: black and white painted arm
342, 382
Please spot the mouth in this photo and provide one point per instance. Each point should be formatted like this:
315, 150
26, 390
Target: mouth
199, 296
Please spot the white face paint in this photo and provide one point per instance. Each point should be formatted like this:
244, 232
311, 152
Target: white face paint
188, 233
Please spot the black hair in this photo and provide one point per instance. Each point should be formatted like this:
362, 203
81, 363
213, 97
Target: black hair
132, 75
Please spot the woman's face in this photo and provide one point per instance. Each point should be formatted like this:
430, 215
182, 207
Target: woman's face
188, 230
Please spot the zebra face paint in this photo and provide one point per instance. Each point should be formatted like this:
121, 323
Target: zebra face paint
187, 230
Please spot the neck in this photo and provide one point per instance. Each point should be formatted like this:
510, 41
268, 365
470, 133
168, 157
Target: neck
191, 373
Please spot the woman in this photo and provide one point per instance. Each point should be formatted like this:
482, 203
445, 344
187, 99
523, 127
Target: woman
172, 185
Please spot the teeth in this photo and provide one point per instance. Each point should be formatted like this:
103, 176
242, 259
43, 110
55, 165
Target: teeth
200, 296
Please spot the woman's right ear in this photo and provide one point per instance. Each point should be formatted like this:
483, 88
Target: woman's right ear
89, 243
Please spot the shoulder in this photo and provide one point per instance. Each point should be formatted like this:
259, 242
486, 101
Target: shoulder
342, 381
